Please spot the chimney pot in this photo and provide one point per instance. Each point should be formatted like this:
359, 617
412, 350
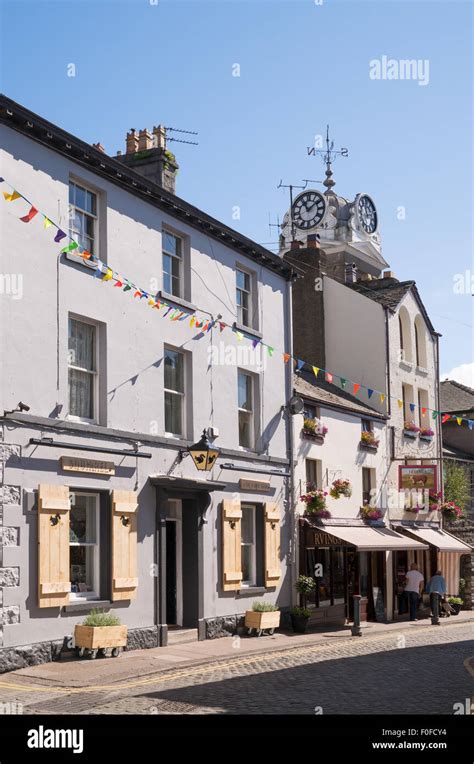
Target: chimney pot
388, 275
159, 134
99, 147
132, 142
312, 241
145, 140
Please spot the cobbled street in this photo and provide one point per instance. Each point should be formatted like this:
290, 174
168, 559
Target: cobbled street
426, 672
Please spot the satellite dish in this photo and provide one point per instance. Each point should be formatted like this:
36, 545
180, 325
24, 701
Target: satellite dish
296, 404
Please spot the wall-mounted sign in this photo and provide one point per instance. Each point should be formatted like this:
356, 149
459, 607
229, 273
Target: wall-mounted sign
417, 477
95, 466
254, 485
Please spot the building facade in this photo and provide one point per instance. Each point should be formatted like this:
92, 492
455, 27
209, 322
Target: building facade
116, 356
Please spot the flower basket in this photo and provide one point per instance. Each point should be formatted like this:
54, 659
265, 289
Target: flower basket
410, 430
368, 440
315, 500
312, 428
341, 488
426, 433
414, 510
451, 511
370, 513
435, 500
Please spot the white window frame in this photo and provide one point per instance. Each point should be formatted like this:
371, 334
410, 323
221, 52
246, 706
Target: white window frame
253, 544
166, 391
95, 594
317, 465
95, 218
94, 372
178, 258
242, 291
251, 412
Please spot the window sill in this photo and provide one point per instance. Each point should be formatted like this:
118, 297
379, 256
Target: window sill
408, 365
253, 590
176, 300
77, 606
422, 370
247, 330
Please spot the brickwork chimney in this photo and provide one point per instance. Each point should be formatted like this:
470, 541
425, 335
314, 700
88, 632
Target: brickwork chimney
147, 155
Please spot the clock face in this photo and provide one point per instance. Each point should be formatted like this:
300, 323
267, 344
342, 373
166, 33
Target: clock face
367, 213
308, 209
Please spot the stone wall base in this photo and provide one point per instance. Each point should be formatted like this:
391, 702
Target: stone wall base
14, 658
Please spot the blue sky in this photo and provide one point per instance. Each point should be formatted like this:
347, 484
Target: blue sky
302, 64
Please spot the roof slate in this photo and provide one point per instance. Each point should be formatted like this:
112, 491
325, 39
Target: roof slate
455, 397
326, 393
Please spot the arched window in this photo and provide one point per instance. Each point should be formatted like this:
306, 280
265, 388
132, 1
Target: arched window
420, 343
406, 348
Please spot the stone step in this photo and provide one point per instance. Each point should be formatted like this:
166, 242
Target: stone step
181, 636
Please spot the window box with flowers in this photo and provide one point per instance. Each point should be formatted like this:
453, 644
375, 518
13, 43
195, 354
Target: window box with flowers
312, 428
315, 500
341, 487
369, 441
370, 513
451, 511
426, 433
410, 430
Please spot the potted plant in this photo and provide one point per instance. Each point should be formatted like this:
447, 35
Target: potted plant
426, 433
263, 616
369, 440
370, 513
305, 585
299, 619
456, 604
451, 511
315, 500
312, 428
410, 430
100, 631
341, 487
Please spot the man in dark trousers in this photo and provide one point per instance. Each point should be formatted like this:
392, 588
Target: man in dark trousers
414, 587
437, 590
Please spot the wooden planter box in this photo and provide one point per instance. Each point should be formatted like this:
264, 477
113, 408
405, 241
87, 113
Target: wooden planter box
313, 436
261, 621
97, 637
410, 434
368, 446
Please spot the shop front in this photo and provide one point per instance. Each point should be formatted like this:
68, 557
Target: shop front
346, 560
444, 553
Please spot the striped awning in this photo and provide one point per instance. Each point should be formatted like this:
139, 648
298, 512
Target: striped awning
440, 539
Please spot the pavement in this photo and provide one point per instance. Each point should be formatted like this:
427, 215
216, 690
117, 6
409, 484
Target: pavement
399, 667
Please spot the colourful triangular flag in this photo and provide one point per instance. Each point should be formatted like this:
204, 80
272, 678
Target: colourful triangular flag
286, 357
240, 336
137, 293
69, 247
412, 407
423, 410
221, 326
118, 283
382, 397
127, 288
47, 222
343, 382
356, 388
11, 197
60, 235
400, 403
370, 393
329, 377
192, 321
31, 214
445, 418
470, 423
459, 419
86, 255
315, 371
270, 350
435, 414
108, 275
150, 301
299, 364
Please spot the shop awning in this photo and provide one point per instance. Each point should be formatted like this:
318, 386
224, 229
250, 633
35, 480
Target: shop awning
367, 539
440, 539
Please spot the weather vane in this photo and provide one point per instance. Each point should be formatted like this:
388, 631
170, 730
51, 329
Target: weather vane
328, 155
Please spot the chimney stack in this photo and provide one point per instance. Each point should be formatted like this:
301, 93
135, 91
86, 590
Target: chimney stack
350, 273
147, 155
99, 147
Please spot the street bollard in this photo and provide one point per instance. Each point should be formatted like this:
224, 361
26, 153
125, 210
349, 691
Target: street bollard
355, 628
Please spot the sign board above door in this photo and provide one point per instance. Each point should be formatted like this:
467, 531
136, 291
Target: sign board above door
254, 485
95, 466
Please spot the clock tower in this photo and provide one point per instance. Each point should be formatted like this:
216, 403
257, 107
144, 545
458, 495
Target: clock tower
347, 230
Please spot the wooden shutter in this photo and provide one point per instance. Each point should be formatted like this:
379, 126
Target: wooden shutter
124, 545
54, 582
272, 544
231, 548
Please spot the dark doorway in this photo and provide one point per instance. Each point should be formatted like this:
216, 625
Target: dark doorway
171, 573
190, 563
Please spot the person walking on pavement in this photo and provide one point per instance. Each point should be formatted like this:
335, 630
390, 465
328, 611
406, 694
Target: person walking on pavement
414, 586
437, 590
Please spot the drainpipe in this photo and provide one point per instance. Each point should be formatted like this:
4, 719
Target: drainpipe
438, 422
290, 443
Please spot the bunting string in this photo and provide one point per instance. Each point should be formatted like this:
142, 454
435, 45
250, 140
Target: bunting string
106, 274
